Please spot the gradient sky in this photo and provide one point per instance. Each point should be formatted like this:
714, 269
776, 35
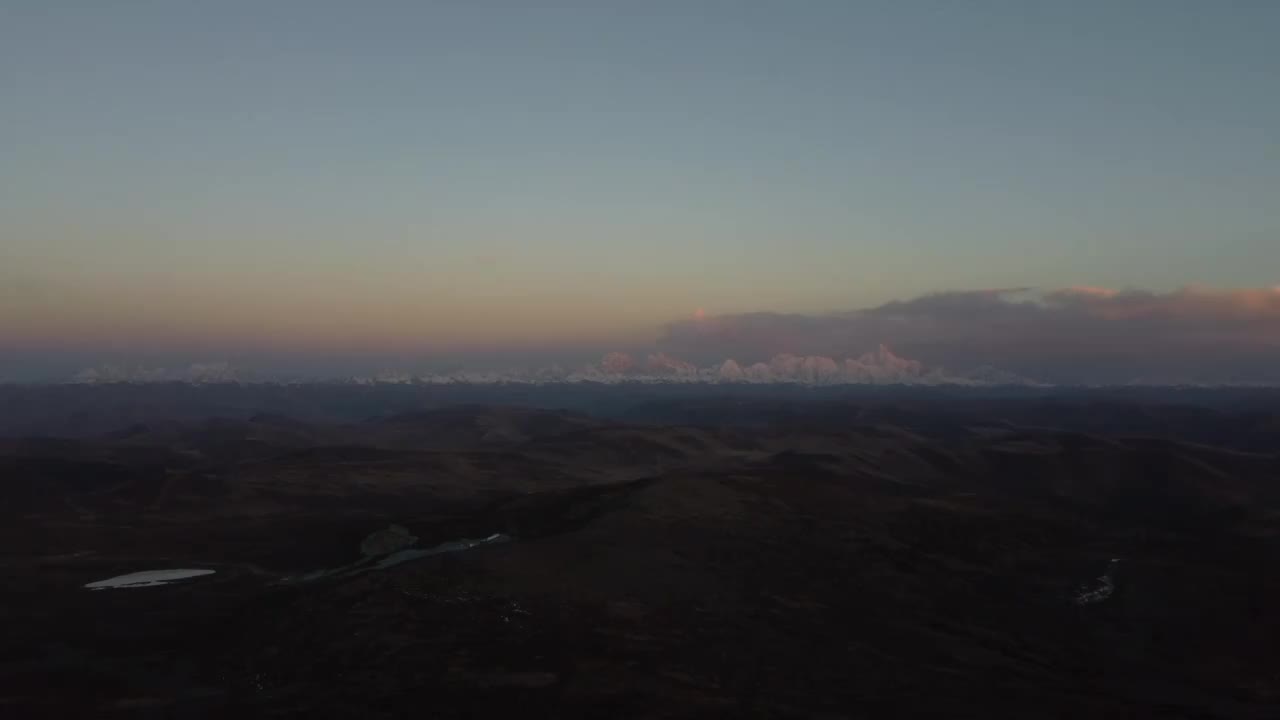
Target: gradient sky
315, 176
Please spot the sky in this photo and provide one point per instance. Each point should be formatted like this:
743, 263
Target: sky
291, 181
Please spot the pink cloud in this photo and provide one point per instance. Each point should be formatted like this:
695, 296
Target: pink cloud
1077, 333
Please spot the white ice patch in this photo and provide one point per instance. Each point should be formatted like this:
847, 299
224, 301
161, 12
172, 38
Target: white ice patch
1099, 593
399, 557
405, 556
147, 578
1102, 588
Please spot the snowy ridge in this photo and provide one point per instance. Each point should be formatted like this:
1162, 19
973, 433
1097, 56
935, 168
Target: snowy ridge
199, 373
878, 367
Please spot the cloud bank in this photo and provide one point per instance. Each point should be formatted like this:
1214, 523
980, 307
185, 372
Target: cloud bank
1071, 335
1075, 335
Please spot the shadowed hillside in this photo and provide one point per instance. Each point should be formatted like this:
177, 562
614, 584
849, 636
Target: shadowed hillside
773, 559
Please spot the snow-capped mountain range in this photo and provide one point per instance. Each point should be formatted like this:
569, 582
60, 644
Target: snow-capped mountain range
879, 367
199, 373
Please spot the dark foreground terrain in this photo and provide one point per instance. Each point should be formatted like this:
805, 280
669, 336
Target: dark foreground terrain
749, 554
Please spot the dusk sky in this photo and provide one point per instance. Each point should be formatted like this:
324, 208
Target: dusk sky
307, 179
